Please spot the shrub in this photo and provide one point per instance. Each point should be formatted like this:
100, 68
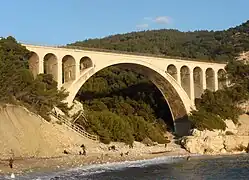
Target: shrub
155, 134
110, 126
202, 120
221, 103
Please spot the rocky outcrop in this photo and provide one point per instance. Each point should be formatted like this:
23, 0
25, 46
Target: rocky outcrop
216, 142
236, 143
76, 108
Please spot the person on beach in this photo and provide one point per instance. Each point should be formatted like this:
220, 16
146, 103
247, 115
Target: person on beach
11, 161
83, 149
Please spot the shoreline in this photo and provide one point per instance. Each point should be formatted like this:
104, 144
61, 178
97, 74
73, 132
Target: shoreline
70, 162
29, 165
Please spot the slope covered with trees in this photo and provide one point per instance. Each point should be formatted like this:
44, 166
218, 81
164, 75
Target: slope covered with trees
17, 84
205, 45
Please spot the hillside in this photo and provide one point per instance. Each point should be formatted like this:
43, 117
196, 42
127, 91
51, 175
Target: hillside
27, 135
206, 45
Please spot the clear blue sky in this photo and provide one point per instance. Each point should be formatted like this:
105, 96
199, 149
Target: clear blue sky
54, 22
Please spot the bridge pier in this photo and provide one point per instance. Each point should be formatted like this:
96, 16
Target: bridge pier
179, 75
59, 80
216, 86
77, 71
192, 93
204, 82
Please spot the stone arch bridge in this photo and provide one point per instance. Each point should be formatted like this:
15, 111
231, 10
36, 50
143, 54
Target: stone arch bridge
180, 81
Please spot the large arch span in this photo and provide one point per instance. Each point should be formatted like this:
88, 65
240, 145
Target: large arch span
177, 99
180, 81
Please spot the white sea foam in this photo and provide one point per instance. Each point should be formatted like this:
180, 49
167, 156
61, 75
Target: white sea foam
100, 168
107, 167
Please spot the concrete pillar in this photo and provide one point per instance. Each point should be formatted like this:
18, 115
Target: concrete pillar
204, 80
41, 63
77, 69
216, 85
192, 92
59, 80
178, 75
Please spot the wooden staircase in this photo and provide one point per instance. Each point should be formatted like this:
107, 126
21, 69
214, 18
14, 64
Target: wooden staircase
76, 127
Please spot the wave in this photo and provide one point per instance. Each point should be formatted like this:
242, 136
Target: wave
114, 166
87, 170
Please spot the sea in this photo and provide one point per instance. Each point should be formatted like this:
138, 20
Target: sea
174, 167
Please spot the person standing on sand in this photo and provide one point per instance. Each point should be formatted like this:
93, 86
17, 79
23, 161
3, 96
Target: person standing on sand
83, 149
11, 161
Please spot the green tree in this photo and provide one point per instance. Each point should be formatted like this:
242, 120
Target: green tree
18, 83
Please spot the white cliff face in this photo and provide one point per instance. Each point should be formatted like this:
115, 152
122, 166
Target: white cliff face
216, 142
232, 143
231, 127
204, 142
76, 108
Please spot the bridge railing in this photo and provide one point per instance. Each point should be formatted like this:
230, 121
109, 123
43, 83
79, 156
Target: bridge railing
127, 52
76, 127
139, 54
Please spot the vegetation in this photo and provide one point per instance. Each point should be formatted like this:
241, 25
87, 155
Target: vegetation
215, 107
18, 83
206, 45
122, 105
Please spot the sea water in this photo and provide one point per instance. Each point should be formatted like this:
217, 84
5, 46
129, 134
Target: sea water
178, 167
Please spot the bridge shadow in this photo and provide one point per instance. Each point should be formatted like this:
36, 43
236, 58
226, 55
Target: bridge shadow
157, 101
179, 127
182, 126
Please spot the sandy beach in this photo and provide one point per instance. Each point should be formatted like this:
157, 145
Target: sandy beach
26, 165
37, 145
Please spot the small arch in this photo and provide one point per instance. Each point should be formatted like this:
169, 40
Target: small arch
34, 64
221, 78
68, 69
198, 82
50, 64
210, 79
172, 70
85, 63
185, 79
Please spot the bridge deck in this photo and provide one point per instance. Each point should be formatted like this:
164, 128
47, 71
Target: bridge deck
79, 48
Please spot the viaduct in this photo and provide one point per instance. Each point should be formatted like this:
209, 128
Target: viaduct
180, 81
